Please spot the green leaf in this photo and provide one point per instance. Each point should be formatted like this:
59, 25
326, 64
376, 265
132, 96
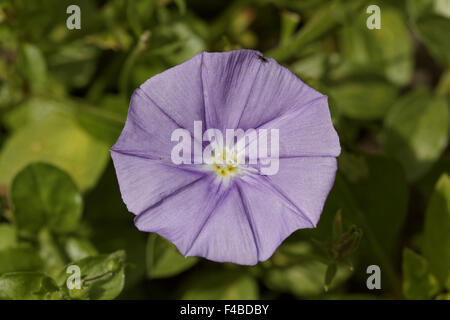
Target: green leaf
77, 248
330, 274
230, 285
436, 237
418, 282
382, 196
50, 253
19, 259
32, 111
434, 30
295, 268
43, 195
163, 258
312, 66
28, 286
184, 42
376, 202
416, 131
102, 277
387, 51
320, 23
289, 22
33, 66
363, 99
103, 123
108, 215
8, 236
443, 296
58, 140
74, 64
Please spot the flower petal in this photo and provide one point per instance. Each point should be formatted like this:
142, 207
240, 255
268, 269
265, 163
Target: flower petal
182, 215
306, 131
147, 132
245, 90
272, 218
227, 235
178, 92
143, 182
306, 182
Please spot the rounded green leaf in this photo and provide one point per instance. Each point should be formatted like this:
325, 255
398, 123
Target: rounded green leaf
103, 277
416, 131
43, 195
363, 99
59, 140
163, 258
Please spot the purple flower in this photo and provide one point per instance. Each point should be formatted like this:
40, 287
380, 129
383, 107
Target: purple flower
239, 215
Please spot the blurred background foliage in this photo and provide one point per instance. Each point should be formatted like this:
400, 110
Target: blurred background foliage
63, 101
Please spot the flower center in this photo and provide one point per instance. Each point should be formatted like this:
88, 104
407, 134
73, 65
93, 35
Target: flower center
225, 164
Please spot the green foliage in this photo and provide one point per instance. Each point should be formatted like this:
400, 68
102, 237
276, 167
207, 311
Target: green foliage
374, 200
416, 131
43, 195
8, 236
58, 140
28, 286
376, 98
436, 238
64, 98
386, 51
20, 258
230, 285
163, 258
418, 283
298, 269
33, 66
102, 277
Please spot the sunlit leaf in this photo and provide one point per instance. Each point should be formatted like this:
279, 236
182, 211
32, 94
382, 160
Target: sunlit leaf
77, 248
8, 236
33, 66
58, 140
416, 131
418, 281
